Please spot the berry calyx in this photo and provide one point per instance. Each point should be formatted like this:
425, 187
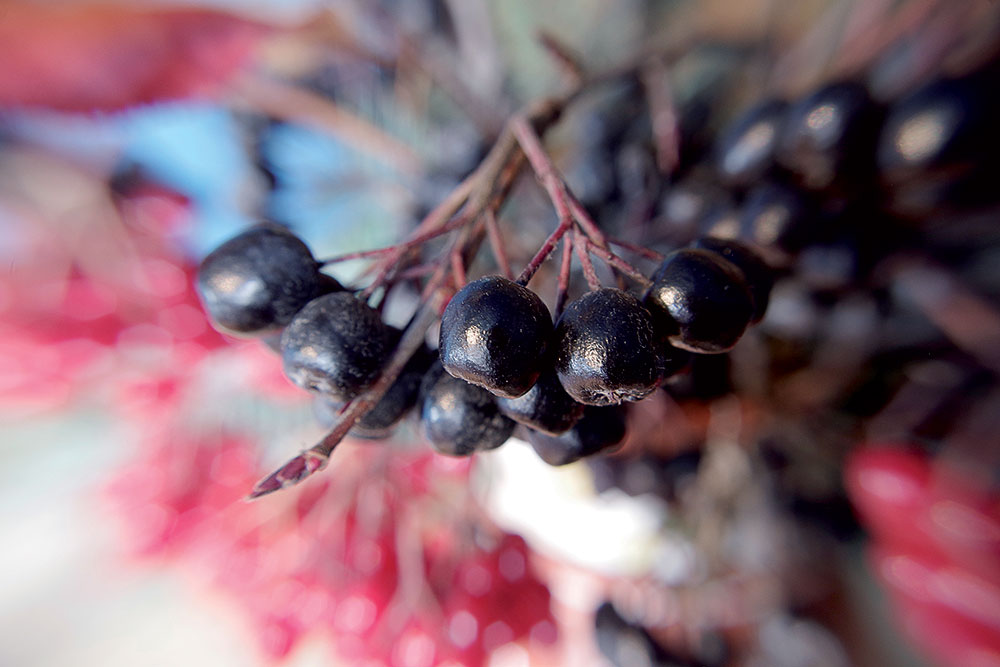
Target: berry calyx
257, 281
605, 349
335, 346
495, 334
702, 301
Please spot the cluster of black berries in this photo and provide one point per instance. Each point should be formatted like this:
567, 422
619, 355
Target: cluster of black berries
502, 360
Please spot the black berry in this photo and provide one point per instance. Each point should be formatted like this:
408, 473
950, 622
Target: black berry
546, 407
701, 300
778, 216
829, 137
495, 334
460, 418
335, 346
759, 276
257, 281
745, 151
598, 430
605, 349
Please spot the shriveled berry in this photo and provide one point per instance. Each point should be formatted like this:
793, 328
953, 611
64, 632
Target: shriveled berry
335, 346
829, 136
746, 149
759, 276
605, 349
546, 407
257, 281
598, 430
701, 299
460, 418
495, 334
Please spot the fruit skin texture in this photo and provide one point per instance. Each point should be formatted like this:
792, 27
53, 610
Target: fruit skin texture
759, 276
600, 429
460, 418
495, 334
605, 349
257, 281
702, 299
546, 407
335, 346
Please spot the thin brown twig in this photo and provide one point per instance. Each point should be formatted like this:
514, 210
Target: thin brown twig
642, 251
496, 245
562, 291
580, 245
617, 262
406, 245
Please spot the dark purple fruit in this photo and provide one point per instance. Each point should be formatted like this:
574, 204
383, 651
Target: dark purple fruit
759, 276
778, 216
546, 407
700, 300
495, 334
257, 281
398, 400
598, 430
687, 205
829, 136
335, 346
943, 129
606, 352
460, 418
746, 150
939, 146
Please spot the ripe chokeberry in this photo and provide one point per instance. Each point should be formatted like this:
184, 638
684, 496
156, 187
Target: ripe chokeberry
495, 334
606, 352
335, 346
460, 418
745, 151
776, 215
829, 136
257, 281
546, 407
701, 301
397, 401
598, 430
759, 276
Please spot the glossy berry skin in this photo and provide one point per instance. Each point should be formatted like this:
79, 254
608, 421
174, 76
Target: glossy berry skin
830, 135
335, 346
759, 276
775, 215
745, 152
606, 352
460, 418
599, 429
546, 407
938, 147
257, 281
701, 300
495, 334
399, 399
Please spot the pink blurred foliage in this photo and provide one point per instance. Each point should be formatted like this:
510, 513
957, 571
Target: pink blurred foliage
101, 56
936, 531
